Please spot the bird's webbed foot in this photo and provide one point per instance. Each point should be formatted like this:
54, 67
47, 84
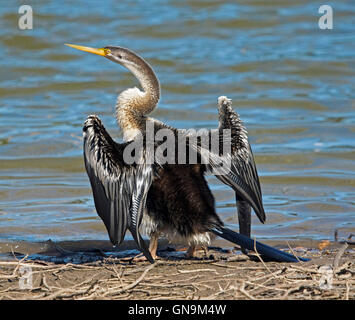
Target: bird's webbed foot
191, 251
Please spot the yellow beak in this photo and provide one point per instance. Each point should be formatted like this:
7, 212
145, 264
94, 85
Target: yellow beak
100, 51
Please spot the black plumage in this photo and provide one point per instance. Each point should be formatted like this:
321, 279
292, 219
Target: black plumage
180, 199
173, 200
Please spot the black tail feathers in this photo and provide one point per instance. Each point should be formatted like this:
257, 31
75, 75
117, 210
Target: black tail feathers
263, 249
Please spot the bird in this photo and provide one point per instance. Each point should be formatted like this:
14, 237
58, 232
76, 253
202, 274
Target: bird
156, 198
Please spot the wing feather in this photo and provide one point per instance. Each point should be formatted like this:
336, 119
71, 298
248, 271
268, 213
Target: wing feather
119, 190
235, 168
243, 176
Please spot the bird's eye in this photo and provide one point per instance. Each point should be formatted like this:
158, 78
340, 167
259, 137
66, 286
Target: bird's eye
119, 56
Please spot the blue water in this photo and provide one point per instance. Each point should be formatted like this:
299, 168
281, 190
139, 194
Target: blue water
291, 83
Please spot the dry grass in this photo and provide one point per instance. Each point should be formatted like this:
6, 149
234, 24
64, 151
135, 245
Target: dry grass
215, 278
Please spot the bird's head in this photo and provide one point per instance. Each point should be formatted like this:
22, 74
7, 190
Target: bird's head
142, 71
123, 56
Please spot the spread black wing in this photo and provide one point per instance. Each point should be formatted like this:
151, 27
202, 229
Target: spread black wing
236, 167
120, 190
243, 176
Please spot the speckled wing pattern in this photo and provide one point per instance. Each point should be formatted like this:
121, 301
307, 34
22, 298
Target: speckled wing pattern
235, 168
120, 190
243, 176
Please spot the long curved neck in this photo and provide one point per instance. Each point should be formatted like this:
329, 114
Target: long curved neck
133, 104
150, 85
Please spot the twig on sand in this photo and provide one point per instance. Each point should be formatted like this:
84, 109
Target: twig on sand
69, 293
133, 284
243, 291
347, 290
14, 273
298, 259
342, 248
338, 255
198, 270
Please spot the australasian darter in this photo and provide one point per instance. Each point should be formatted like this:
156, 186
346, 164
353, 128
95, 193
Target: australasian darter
169, 199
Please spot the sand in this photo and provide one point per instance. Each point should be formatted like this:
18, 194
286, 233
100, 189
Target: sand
220, 274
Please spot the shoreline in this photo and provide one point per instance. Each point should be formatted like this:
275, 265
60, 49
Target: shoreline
48, 246
219, 275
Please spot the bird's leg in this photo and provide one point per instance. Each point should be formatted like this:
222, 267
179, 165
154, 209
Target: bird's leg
205, 250
153, 245
191, 250
190, 253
